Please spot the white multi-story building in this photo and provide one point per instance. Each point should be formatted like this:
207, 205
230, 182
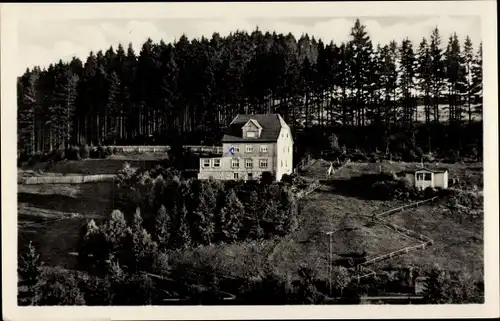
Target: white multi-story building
252, 145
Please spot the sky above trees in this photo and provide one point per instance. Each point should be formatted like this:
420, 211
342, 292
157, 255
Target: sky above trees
41, 42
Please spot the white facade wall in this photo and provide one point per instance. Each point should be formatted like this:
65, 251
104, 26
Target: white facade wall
441, 180
226, 172
284, 159
437, 180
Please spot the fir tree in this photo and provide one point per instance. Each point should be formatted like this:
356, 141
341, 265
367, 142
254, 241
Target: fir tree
30, 271
231, 217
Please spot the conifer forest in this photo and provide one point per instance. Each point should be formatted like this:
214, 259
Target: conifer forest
387, 97
351, 221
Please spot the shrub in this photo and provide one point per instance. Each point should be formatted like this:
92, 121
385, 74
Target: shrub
428, 158
35, 158
58, 155
94, 152
445, 287
96, 290
453, 156
288, 179
84, 151
72, 153
58, 287
108, 152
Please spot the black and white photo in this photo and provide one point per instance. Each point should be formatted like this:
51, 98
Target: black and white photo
318, 159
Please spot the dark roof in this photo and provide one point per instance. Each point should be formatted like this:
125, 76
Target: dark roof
271, 127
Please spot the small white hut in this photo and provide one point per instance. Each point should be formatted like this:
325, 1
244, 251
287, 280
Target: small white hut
422, 178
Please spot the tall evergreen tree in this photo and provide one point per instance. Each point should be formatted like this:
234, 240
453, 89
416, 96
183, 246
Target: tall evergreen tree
437, 71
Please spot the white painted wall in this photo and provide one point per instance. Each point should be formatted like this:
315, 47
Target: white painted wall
226, 171
441, 180
284, 153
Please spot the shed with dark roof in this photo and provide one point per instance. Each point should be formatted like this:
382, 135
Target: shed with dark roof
422, 177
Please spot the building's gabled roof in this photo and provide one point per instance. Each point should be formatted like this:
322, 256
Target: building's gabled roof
253, 121
424, 169
271, 126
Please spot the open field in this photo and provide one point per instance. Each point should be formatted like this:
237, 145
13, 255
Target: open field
469, 174
321, 211
457, 246
85, 167
51, 216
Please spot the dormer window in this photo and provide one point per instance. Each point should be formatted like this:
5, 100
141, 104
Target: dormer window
252, 129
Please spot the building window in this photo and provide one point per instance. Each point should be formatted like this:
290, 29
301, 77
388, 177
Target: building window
281, 163
235, 163
263, 163
420, 176
427, 177
206, 162
249, 163
289, 149
235, 175
236, 149
249, 176
251, 135
263, 148
249, 148
216, 162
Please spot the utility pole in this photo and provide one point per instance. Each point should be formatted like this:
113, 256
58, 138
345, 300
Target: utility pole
330, 260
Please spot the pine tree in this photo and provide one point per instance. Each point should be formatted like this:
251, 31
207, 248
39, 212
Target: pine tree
388, 83
113, 108
454, 77
64, 103
424, 77
28, 110
468, 61
407, 80
231, 217
184, 239
437, 71
203, 217
115, 232
477, 83
29, 271
163, 228
362, 51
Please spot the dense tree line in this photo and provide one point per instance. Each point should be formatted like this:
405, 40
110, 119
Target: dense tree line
57, 286
159, 211
190, 89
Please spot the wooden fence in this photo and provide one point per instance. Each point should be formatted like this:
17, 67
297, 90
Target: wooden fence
204, 149
68, 179
141, 149
309, 189
396, 253
404, 207
166, 148
303, 162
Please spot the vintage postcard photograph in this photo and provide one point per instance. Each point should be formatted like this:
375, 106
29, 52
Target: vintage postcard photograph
249, 160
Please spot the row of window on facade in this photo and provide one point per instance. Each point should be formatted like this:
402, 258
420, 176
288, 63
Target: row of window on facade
237, 176
235, 163
262, 149
424, 176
